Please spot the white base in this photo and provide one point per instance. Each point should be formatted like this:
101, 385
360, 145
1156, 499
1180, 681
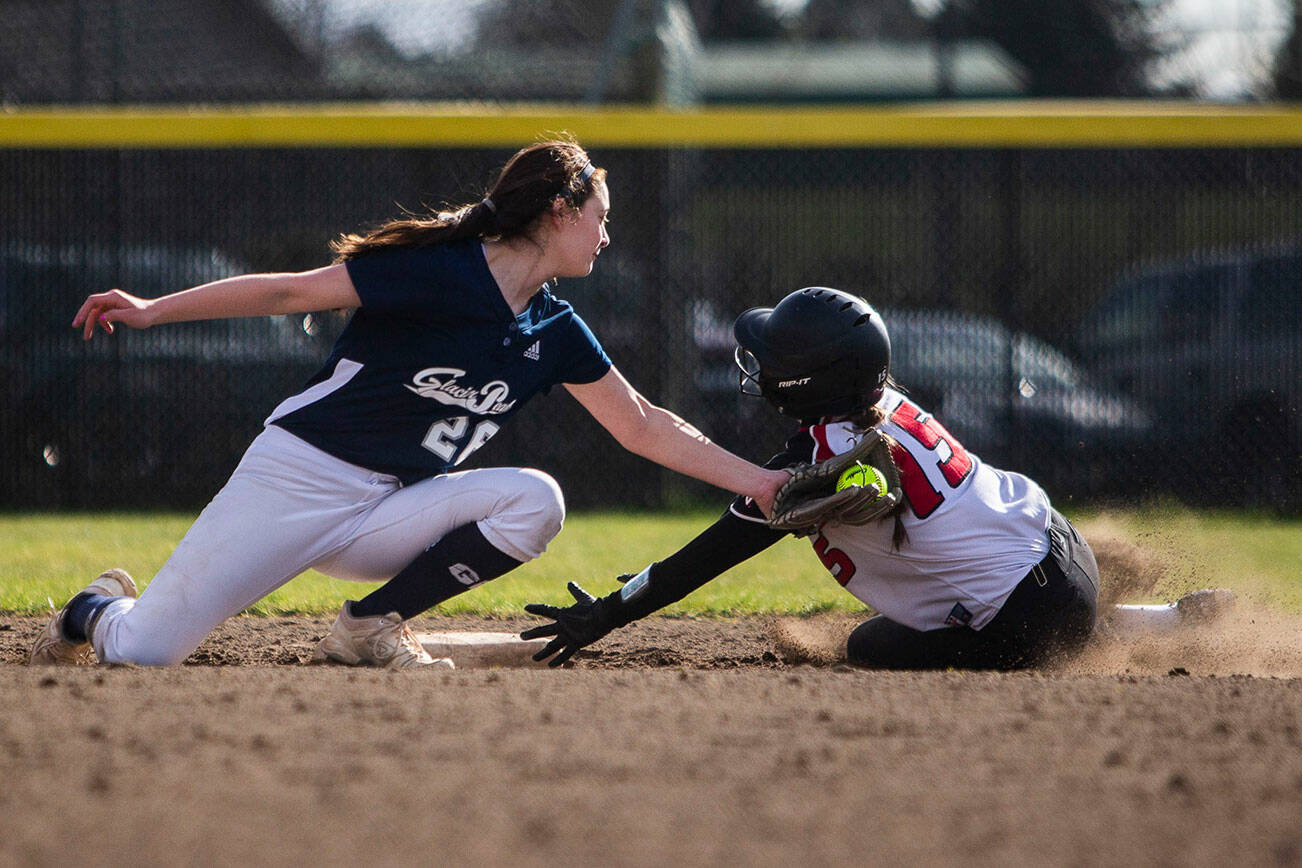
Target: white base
482, 650
1130, 620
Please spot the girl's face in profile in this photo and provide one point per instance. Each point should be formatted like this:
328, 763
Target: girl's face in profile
579, 236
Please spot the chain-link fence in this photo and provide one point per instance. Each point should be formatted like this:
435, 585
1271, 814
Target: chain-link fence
1116, 323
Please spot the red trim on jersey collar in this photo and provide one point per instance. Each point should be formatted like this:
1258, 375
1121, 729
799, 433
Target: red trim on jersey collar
822, 451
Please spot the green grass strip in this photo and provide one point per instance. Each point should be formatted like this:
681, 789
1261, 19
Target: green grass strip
53, 555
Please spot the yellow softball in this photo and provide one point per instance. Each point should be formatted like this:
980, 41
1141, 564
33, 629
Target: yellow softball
862, 475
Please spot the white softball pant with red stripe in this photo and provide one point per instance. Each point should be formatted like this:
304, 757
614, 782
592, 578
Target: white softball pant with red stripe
289, 507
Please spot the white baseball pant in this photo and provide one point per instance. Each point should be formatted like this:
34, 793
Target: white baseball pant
289, 507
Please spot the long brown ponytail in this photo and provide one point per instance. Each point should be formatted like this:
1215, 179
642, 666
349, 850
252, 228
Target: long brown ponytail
525, 189
871, 417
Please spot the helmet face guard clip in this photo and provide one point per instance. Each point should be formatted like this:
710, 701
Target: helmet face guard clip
748, 372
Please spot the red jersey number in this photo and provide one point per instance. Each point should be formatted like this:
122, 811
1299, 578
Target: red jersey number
838, 563
952, 459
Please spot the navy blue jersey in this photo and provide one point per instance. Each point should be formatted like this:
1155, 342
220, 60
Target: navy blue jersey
434, 362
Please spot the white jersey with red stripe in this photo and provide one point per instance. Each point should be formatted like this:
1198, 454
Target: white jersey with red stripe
974, 531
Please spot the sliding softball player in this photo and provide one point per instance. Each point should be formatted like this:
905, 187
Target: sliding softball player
969, 566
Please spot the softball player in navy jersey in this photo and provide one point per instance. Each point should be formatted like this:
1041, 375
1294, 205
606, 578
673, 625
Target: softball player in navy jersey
455, 328
974, 568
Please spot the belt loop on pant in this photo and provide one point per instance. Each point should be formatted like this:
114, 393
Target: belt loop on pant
1061, 532
1040, 578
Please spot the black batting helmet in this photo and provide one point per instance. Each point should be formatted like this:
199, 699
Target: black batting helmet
820, 352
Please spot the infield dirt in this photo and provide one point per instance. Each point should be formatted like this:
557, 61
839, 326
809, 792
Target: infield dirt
673, 742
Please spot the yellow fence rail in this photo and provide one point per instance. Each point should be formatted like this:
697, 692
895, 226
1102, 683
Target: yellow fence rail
388, 125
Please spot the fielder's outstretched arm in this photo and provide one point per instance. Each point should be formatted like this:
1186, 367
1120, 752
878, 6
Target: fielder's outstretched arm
325, 288
662, 436
714, 551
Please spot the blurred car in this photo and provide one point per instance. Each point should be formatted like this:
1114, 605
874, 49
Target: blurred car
142, 418
1214, 345
1012, 398
995, 386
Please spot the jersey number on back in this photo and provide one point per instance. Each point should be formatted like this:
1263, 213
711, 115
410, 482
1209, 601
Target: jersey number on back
444, 438
952, 459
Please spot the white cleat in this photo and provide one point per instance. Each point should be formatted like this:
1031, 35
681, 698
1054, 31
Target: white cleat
1195, 609
52, 648
380, 640
1205, 606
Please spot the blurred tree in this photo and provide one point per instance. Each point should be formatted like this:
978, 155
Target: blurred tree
637, 50
531, 23
1288, 63
546, 22
734, 20
842, 20
1069, 48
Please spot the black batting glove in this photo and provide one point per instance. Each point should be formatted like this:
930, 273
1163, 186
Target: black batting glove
573, 627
